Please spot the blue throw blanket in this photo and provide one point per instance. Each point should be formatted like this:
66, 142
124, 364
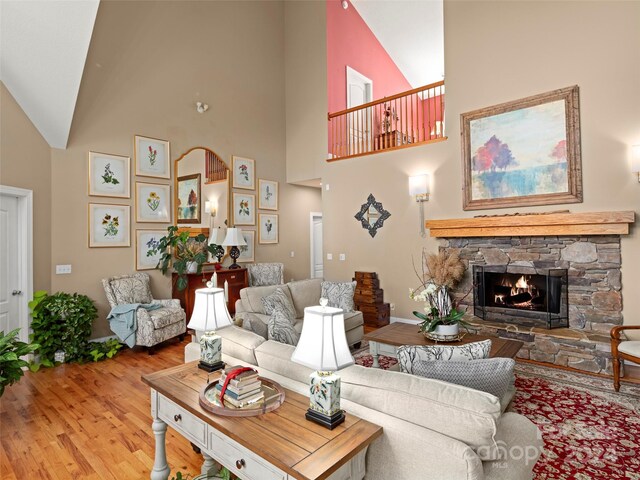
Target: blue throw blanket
122, 320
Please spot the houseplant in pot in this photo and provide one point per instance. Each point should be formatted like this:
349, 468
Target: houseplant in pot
184, 253
441, 318
11, 365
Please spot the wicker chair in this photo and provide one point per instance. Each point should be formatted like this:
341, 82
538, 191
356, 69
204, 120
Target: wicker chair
154, 326
622, 350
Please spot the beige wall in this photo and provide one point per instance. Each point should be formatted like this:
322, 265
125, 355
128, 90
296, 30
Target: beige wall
496, 52
306, 89
149, 62
25, 162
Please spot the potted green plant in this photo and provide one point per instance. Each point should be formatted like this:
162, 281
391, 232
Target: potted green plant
440, 272
11, 365
184, 253
62, 322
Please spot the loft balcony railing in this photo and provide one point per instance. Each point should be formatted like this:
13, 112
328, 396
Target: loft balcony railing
408, 119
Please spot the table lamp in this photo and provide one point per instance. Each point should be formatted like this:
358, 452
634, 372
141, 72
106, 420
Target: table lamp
210, 313
234, 239
323, 347
216, 237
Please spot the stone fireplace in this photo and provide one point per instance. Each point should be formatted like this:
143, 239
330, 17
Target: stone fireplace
521, 285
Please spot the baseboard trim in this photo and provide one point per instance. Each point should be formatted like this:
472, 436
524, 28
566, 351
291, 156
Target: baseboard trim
103, 339
403, 320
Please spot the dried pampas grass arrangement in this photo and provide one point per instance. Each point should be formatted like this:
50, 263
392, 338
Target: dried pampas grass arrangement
443, 268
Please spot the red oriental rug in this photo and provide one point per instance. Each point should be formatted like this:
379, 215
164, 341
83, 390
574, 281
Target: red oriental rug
589, 431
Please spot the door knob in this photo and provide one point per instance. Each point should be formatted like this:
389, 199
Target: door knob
16, 292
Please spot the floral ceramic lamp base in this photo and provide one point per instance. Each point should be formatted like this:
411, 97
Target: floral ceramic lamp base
210, 352
324, 400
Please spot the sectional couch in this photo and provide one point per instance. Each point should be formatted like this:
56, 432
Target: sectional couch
432, 430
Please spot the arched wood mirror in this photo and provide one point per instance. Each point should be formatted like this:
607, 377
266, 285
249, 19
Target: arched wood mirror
201, 192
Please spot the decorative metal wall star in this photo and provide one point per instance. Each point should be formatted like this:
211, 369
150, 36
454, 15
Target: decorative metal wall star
372, 215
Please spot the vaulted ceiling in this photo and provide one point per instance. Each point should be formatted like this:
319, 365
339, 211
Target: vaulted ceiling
412, 33
43, 48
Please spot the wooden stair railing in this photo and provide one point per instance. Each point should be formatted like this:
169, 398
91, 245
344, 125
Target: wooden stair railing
407, 119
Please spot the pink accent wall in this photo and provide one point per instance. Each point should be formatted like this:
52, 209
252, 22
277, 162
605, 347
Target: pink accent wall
351, 42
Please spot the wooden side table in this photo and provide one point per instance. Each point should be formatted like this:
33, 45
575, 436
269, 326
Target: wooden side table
279, 445
237, 279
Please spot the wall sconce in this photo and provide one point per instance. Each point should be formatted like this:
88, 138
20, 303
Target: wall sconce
419, 188
201, 107
210, 208
635, 160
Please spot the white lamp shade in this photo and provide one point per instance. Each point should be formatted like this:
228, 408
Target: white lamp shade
419, 185
323, 342
217, 236
234, 238
635, 159
207, 207
210, 310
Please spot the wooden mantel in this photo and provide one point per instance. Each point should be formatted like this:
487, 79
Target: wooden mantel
596, 223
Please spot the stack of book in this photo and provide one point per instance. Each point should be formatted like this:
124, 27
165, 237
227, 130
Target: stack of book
244, 390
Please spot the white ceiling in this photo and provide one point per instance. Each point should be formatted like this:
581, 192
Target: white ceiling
43, 48
412, 33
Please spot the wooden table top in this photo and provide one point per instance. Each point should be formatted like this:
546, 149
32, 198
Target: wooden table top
284, 437
398, 334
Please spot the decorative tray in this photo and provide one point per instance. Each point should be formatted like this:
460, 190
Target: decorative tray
273, 398
443, 338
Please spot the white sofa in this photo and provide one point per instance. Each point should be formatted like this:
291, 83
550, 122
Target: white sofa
432, 430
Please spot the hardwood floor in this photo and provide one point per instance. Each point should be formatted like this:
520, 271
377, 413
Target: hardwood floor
88, 421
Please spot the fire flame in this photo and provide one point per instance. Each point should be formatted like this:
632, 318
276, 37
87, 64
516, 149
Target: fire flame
522, 283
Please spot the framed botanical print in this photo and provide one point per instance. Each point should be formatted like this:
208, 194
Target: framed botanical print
188, 199
152, 157
244, 209
268, 194
244, 173
153, 203
247, 252
268, 228
523, 153
109, 225
147, 241
109, 175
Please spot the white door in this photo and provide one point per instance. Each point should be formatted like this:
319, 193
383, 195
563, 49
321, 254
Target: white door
359, 92
317, 258
10, 293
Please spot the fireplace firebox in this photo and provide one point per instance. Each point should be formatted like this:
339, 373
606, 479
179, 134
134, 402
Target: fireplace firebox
521, 298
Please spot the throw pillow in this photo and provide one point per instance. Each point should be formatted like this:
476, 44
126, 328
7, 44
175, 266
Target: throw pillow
279, 300
134, 289
409, 354
339, 294
254, 324
491, 375
281, 329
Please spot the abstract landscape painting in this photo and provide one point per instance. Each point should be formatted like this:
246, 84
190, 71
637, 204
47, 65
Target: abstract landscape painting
523, 153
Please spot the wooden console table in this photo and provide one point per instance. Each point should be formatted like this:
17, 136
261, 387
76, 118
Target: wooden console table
279, 445
236, 278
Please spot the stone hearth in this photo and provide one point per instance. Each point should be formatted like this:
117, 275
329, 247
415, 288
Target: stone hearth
595, 300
